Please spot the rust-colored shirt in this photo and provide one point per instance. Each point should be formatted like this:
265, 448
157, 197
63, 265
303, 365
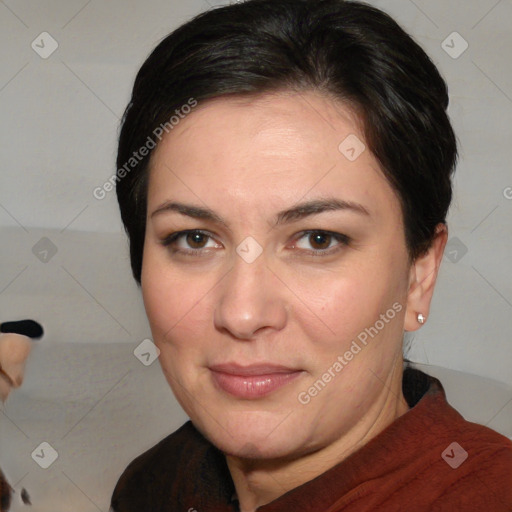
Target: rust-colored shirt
428, 459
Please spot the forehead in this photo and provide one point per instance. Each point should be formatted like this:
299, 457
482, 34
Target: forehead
282, 144
272, 123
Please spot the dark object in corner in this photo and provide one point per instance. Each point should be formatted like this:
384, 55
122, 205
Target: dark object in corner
29, 328
5, 494
25, 497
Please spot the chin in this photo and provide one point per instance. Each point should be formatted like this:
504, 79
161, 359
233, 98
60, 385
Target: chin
257, 449
254, 435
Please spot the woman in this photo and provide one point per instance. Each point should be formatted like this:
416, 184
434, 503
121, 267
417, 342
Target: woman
284, 175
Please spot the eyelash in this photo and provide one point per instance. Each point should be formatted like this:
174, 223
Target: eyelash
343, 240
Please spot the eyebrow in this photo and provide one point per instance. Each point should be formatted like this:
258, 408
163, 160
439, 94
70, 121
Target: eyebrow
298, 212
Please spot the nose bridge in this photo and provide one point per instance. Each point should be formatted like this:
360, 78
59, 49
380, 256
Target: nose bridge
249, 299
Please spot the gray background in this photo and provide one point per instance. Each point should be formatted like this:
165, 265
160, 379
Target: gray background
59, 122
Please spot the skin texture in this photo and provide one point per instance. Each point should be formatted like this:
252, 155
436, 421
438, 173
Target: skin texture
14, 350
246, 159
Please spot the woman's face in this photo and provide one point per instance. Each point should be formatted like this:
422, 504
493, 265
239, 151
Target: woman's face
278, 332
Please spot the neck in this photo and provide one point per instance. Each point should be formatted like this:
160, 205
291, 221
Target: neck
258, 482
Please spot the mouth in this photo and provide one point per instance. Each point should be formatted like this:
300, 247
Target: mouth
251, 382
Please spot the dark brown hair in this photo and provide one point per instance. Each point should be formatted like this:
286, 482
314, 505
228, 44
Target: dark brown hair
346, 49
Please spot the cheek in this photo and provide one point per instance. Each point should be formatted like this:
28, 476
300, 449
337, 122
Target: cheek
347, 304
174, 301
162, 294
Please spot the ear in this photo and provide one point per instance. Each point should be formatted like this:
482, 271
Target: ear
422, 279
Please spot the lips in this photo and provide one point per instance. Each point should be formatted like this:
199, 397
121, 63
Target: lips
251, 382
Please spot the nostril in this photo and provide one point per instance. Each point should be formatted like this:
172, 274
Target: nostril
29, 328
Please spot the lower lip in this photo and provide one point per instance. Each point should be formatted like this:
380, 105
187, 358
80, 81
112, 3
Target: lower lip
252, 386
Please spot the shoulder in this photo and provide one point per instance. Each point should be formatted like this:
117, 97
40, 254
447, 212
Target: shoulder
143, 482
446, 424
468, 464
479, 463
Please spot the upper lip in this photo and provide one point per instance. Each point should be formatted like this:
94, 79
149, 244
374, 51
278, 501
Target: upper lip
253, 369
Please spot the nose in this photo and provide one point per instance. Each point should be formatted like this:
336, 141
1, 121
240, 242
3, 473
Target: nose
252, 299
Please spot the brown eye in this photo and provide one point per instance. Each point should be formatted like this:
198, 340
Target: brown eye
190, 242
323, 243
196, 240
320, 240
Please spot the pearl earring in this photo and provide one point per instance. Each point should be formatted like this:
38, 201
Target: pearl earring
421, 318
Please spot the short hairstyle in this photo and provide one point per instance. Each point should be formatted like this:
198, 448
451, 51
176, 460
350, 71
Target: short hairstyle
348, 50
